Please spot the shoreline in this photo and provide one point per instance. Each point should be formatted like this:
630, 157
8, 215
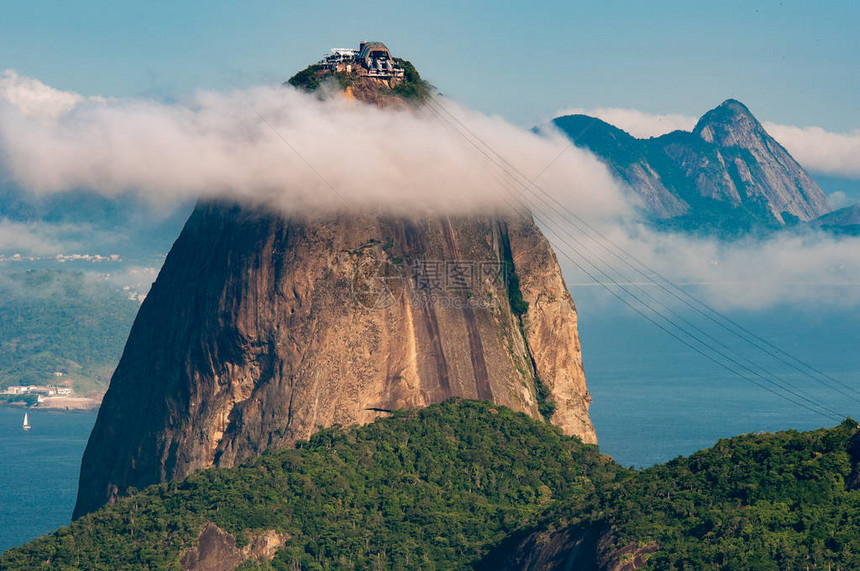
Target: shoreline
59, 404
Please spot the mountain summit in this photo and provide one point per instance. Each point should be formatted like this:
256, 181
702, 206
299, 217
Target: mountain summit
261, 328
370, 74
727, 174
728, 118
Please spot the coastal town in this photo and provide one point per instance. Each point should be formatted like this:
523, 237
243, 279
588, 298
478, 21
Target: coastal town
60, 396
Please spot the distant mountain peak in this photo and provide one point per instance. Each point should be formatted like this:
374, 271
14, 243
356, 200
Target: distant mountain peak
729, 122
728, 175
735, 106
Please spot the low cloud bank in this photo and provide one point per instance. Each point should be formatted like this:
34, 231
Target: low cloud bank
280, 147
32, 239
814, 269
43, 239
638, 123
283, 148
820, 150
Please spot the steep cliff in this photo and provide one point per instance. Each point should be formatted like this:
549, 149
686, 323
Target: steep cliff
260, 329
728, 173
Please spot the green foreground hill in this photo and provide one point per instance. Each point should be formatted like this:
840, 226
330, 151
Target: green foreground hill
787, 500
466, 484
434, 488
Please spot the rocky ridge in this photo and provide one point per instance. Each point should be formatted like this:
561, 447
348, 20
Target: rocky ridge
728, 173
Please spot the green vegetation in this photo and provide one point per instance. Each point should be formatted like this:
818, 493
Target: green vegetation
774, 501
308, 79
546, 407
25, 399
413, 87
512, 282
520, 307
435, 488
758, 501
61, 321
451, 486
515, 295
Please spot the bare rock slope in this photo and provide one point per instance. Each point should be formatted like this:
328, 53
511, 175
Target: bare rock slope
261, 329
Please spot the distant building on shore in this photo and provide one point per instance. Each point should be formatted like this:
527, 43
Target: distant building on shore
49, 390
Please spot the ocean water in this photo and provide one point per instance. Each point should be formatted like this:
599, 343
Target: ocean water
653, 400
39, 471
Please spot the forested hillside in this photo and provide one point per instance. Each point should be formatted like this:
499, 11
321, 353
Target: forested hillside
435, 488
59, 321
466, 484
786, 500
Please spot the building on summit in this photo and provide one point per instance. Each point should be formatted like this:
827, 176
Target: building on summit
371, 59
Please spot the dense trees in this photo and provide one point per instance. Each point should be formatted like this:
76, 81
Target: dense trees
758, 501
435, 488
442, 487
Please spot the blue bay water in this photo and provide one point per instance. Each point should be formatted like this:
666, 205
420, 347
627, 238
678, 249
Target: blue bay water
39, 471
655, 399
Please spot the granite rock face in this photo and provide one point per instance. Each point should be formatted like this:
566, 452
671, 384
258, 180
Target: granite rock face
727, 171
759, 166
588, 548
216, 549
261, 329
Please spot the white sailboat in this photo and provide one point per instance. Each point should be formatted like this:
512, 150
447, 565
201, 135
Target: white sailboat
26, 422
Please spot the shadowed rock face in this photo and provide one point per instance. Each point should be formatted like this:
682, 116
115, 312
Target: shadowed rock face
591, 548
259, 330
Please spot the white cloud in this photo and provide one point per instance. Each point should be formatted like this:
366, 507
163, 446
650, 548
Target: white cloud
839, 200
820, 150
30, 239
134, 278
217, 145
45, 239
814, 269
638, 123
34, 99
244, 145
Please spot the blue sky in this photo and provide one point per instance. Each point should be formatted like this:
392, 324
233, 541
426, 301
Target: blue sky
791, 62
